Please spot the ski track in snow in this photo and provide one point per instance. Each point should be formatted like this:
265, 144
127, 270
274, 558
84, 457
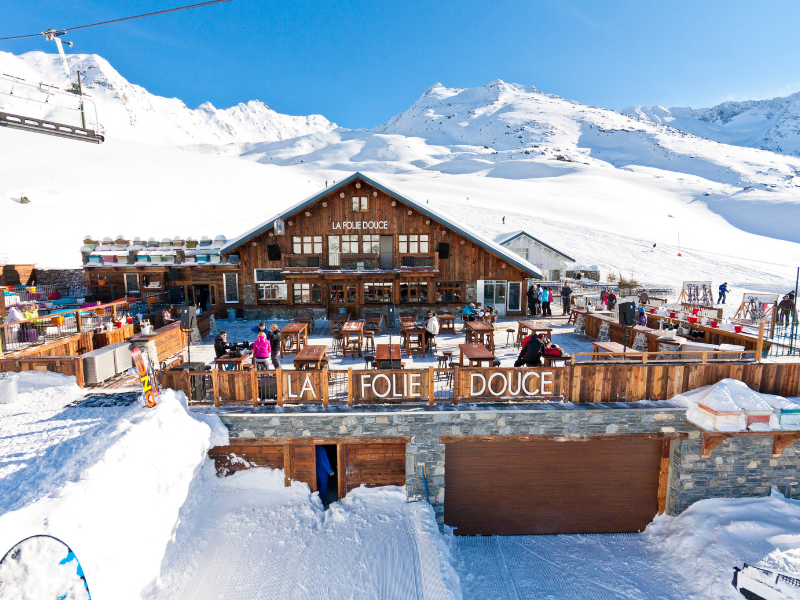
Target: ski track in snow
564, 567
279, 543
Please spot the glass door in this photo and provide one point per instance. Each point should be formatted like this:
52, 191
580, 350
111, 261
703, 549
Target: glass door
514, 296
334, 252
494, 295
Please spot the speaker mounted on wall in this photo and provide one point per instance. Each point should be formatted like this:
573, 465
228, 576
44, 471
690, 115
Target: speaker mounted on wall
273, 252
443, 248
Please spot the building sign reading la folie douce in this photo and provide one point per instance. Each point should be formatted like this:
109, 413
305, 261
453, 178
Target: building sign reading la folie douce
360, 225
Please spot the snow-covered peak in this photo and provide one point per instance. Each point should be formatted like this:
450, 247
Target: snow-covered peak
772, 124
129, 111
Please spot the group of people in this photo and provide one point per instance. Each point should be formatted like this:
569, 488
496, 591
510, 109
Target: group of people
266, 346
473, 313
787, 310
533, 348
539, 299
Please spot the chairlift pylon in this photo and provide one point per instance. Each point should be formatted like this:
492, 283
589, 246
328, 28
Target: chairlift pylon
47, 126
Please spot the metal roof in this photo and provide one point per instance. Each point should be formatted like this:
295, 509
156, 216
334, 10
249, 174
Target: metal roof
425, 209
504, 238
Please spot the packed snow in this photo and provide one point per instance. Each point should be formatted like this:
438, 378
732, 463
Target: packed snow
41, 567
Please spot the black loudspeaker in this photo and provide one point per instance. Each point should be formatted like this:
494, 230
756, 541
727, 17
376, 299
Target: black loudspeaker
173, 274
188, 317
273, 252
443, 249
627, 314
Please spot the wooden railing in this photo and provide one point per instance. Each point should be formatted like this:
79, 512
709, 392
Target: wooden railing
591, 381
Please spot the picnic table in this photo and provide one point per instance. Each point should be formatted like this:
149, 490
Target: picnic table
386, 359
311, 354
557, 361
447, 323
236, 361
474, 353
352, 336
480, 331
306, 318
600, 348
534, 328
415, 338
295, 336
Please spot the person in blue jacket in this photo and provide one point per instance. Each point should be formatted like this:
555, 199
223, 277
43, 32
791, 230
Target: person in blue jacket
469, 312
323, 471
723, 292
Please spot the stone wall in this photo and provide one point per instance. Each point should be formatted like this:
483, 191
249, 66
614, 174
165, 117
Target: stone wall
61, 278
742, 467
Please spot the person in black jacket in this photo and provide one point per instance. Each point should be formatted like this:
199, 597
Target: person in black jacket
531, 353
274, 337
533, 300
221, 344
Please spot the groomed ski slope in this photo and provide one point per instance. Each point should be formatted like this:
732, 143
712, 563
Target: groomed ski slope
248, 537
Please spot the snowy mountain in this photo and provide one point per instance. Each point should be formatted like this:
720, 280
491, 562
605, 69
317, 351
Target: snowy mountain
766, 124
597, 184
129, 111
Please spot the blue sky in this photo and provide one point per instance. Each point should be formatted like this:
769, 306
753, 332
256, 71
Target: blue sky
359, 63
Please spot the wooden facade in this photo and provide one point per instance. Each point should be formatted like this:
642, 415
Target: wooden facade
388, 251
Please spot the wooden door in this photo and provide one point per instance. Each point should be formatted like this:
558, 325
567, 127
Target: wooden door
300, 464
371, 464
604, 485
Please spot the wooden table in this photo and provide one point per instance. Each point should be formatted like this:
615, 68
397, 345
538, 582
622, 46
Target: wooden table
305, 318
311, 354
557, 361
236, 362
534, 328
337, 322
415, 339
480, 331
352, 335
294, 335
384, 359
475, 353
599, 348
447, 323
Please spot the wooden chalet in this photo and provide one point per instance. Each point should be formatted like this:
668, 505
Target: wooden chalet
355, 246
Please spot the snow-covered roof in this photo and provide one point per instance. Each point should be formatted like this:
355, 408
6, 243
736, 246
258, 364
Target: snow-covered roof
505, 238
425, 209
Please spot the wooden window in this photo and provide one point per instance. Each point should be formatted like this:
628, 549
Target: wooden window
413, 244
360, 203
350, 244
413, 291
307, 244
521, 252
378, 292
341, 293
272, 292
449, 291
231, 284
307, 293
371, 244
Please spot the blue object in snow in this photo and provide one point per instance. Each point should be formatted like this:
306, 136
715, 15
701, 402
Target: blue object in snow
323, 471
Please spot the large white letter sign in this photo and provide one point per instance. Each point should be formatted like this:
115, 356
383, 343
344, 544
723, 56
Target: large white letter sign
365, 385
547, 380
388, 385
415, 383
525, 381
502, 378
307, 387
479, 377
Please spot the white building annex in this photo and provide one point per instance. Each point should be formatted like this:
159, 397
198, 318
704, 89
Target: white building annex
551, 262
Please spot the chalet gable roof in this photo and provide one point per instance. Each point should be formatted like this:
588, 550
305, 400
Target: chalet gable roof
505, 238
425, 209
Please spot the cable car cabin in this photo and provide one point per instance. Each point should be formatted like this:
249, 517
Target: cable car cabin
356, 247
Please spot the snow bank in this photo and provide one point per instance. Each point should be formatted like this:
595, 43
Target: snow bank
730, 395
115, 502
712, 536
43, 568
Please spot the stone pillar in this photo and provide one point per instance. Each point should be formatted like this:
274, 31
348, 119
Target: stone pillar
213, 326
640, 342
604, 335
580, 325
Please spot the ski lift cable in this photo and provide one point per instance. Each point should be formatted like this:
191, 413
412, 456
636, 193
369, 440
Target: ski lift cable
60, 32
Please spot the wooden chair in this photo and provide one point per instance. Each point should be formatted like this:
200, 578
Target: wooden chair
369, 340
369, 361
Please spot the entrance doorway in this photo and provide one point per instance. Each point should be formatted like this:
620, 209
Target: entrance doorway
494, 295
387, 259
203, 297
343, 298
331, 492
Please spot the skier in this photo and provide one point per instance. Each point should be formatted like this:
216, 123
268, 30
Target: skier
531, 353
566, 293
323, 471
274, 338
533, 301
644, 297
611, 300
723, 292
504, 220
547, 296
788, 312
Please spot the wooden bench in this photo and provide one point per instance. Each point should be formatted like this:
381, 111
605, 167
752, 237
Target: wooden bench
600, 348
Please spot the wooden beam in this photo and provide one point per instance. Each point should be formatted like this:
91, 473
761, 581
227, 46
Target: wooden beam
569, 437
782, 441
215, 384
349, 387
341, 455
760, 343
282, 441
325, 394
279, 385
663, 476
711, 441
287, 465
431, 386
254, 384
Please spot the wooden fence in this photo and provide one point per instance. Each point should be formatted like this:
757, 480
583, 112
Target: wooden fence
66, 365
584, 382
